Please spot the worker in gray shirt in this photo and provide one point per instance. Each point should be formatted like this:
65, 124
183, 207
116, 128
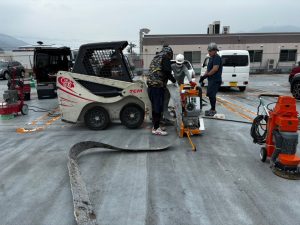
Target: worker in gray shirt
180, 71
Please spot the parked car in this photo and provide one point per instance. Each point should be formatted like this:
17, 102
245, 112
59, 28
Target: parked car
6, 66
294, 79
294, 71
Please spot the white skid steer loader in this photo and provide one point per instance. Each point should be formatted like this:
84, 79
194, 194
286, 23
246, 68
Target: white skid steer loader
100, 88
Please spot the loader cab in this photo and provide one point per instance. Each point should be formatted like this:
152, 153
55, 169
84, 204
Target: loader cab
48, 60
104, 60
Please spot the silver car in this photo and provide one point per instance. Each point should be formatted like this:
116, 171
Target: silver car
5, 68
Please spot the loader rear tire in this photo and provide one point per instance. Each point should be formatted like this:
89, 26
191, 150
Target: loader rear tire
132, 116
96, 118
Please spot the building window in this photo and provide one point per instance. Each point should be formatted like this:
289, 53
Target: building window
287, 55
193, 56
255, 55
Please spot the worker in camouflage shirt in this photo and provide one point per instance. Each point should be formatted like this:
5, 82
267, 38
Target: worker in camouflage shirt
160, 72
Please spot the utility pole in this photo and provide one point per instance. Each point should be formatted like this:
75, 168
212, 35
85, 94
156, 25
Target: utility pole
142, 32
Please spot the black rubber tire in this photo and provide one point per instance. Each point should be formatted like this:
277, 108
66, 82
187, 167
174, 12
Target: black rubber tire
263, 154
24, 109
39, 95
296, 89
6, 76
242, 89
96, 118
26, 96
132, 116
22, 73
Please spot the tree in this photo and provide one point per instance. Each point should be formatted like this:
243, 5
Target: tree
130, 48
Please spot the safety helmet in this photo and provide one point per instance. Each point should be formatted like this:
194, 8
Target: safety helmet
179, 59
212, 46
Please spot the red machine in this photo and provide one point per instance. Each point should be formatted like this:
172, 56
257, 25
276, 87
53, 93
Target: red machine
17, 82
188, 106
280, 136
14, 97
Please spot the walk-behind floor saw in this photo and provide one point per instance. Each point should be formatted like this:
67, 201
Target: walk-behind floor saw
188, 106
276, 129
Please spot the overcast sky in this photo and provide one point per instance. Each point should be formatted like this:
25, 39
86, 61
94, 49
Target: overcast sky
82, 21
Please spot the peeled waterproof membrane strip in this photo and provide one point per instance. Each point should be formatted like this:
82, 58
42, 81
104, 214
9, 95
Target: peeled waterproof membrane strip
83, 210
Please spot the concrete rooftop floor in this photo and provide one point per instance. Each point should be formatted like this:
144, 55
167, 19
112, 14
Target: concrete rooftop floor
224, 182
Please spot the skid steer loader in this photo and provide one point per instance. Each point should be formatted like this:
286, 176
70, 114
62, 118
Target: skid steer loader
100, 88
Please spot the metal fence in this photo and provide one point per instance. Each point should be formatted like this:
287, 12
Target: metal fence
270, 62
25, 59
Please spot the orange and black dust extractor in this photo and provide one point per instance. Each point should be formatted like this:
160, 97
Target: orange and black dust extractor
188, 109
277, 129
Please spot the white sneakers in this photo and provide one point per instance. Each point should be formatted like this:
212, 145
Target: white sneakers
159, 131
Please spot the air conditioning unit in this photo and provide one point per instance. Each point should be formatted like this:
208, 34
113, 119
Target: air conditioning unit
226, 29
271, 63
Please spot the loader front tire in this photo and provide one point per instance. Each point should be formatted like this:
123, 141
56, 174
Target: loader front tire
96, 118
132, 116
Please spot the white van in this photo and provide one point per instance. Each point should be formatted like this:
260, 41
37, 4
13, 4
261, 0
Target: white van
236, 67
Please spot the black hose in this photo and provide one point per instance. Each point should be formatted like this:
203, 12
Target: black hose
256, 128
228, 120
39, 109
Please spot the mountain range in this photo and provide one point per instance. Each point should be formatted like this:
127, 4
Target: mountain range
8, 43
272, 29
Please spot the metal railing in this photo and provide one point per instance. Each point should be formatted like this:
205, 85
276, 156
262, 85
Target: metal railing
139, 63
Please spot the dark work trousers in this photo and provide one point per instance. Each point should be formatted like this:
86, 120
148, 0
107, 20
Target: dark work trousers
156, 95
212, 90
167, 97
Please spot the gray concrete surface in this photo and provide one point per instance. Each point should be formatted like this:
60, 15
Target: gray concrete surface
224, 182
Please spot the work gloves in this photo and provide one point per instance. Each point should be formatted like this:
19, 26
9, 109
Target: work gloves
202, 78
193, 84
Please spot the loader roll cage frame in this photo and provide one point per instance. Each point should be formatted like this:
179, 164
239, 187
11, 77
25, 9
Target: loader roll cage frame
105, 60
93, 57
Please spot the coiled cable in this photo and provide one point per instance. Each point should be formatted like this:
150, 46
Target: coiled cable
259, 129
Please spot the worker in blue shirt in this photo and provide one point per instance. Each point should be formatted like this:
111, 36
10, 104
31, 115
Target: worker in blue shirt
213, 75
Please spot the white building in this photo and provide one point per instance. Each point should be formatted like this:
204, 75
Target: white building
269, 52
